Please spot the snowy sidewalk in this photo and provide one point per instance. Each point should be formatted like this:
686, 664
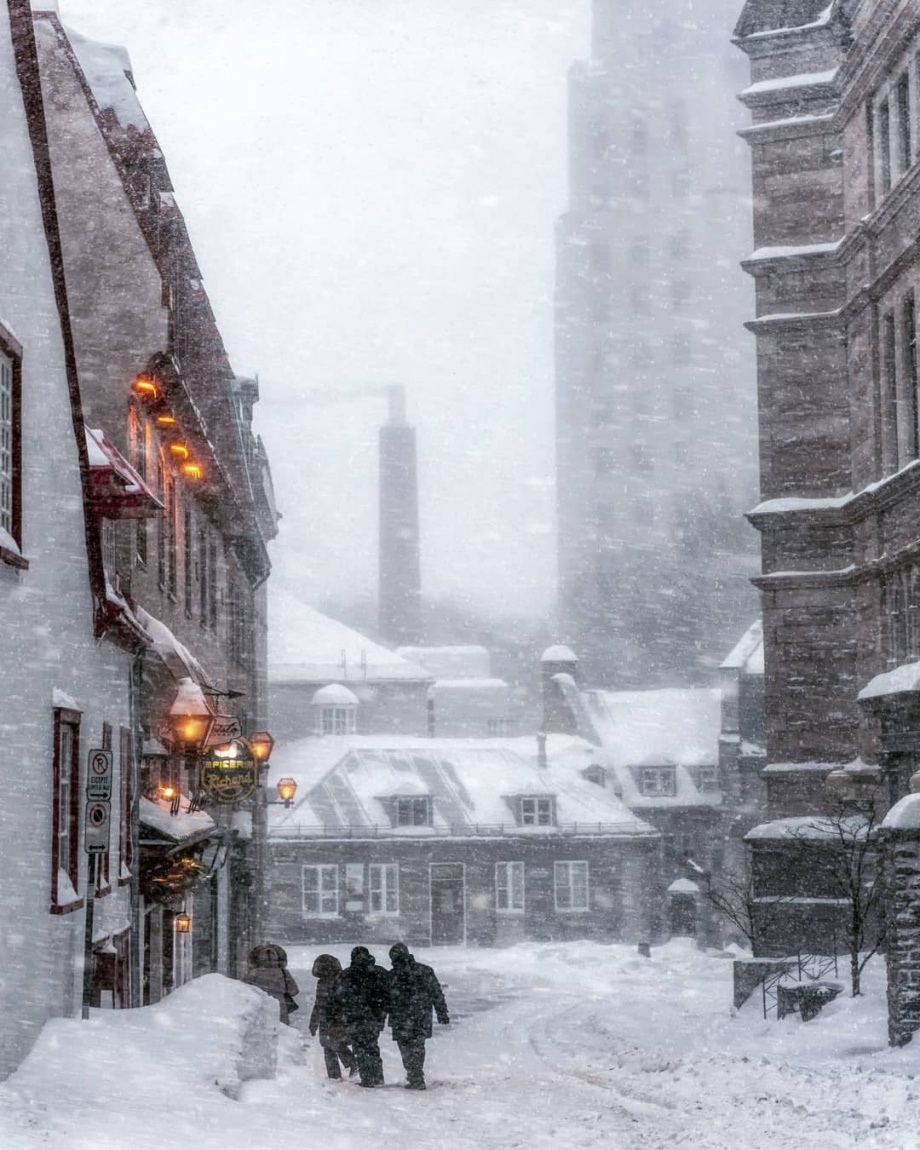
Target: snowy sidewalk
573, 1045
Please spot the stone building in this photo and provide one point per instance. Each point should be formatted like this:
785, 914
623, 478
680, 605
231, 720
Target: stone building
655, 408
459, 841
835, 138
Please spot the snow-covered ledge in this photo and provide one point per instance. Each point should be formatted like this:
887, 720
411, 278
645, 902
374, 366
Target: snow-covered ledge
900, 681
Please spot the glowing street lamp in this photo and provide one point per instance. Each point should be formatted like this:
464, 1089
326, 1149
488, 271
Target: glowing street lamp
287, 789
189, 716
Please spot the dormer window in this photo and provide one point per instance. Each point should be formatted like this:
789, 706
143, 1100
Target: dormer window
537, 811
659, 781
336, 710
413, 812
595, 774
338, 720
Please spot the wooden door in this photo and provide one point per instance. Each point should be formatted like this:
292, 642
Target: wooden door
448, 923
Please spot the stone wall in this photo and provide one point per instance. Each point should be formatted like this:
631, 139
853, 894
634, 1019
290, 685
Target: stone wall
902, 922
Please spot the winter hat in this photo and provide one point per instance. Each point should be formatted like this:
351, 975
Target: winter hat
361, 956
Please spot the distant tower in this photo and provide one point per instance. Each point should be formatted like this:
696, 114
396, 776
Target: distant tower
400, 580
655, 397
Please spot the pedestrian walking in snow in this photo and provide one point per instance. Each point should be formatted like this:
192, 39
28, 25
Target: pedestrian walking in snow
414, 993
267, 969
362, 991
328, 1018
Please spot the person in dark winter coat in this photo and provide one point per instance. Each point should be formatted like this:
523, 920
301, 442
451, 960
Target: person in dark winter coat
362, 992
267, 969
414, 993
329, 1019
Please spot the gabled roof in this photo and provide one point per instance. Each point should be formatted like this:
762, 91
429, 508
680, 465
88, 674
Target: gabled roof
747, 655
306, 646
346, 785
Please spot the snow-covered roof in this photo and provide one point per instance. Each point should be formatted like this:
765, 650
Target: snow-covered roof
177, 657
462, 662
558, 654
683, 886
765, 18
904, 815
106, 68
334, 695
468, 686
812, 827
747, 654
901, 680
305, 646
345, 782
673, 726
176, 828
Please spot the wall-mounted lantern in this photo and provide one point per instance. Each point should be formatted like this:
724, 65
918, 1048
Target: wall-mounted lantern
183, 923
287, 789
146, 388
189, 717
261, 744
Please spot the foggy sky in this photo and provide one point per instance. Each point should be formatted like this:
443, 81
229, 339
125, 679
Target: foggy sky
371, 187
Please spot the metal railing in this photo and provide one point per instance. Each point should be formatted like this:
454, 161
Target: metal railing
452, 830
799, 968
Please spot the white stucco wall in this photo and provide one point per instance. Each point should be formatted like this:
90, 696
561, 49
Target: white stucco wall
46, 639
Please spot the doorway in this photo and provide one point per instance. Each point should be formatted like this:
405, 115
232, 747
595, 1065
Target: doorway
448, 919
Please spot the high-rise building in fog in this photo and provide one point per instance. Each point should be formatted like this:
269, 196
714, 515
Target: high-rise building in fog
656, 407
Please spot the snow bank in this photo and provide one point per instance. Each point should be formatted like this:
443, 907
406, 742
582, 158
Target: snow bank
197, 1046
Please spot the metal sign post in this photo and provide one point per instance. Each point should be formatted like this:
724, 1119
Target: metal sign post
96, 830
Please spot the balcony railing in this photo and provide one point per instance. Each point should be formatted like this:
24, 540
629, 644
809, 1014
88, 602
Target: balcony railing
453, 830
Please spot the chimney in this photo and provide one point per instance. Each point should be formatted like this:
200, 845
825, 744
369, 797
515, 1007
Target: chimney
400, 581
557, 714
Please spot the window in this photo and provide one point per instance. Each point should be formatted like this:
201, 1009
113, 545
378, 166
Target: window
126, 805
509, 887
320, 891
187, 550
109, 551
537, 812
909, 362
597, 775
659, 781
338, 720
708, 778
571, 884
384, 888
10, 447
499, 728
905, 142
415, 812
884, 140
889, 405
212, 584
65, 831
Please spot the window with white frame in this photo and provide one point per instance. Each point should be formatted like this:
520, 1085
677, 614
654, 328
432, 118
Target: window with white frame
658, 781
338, 720
708, 778
383, 887
509, 887
413, 812
320, 891
571, 885
537, 811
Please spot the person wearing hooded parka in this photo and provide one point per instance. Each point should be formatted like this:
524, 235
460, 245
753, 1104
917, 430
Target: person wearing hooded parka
328, 1018
362, 992
414, 993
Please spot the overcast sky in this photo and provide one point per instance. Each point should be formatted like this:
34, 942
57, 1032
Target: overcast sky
371, 187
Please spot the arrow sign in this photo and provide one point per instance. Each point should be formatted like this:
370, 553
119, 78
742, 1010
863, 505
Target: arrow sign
99, 776
96, 829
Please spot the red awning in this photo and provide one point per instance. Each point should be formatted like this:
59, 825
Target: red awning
117, 490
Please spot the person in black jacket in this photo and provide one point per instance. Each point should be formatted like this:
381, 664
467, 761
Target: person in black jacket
362, 992
414, 993
329, 1019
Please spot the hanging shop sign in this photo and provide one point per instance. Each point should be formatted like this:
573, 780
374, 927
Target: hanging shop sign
229, 780
223, 728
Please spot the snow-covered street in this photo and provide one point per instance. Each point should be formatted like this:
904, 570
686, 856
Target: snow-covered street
551, 1045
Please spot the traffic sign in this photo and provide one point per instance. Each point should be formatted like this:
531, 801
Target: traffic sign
99, 776
96, 828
